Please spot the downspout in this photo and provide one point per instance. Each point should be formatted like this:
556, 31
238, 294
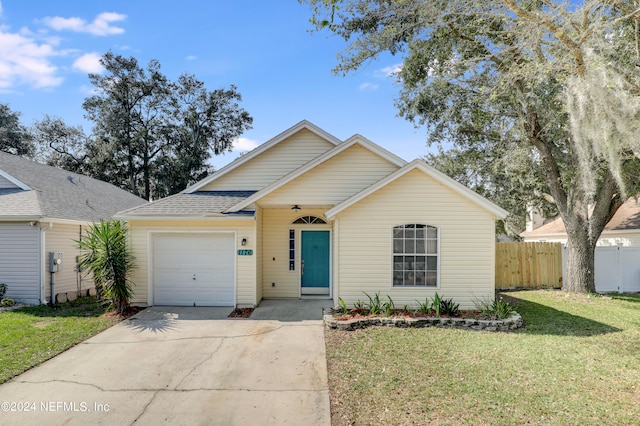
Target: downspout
42, 261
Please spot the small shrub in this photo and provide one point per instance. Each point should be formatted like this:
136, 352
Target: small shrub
375, 305
449, 307
388, 308
436, 305
424, 308
6, 302
3, 290
495, 309
341, 308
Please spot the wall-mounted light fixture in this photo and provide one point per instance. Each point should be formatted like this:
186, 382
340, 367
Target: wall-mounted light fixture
295, 208
244, 241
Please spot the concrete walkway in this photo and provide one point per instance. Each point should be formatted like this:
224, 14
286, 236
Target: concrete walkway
184, 366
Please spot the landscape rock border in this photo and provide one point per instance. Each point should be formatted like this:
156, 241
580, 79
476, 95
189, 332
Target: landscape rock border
514, 322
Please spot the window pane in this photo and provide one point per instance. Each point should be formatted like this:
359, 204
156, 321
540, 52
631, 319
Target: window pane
409, 233
408, 278
432, 263
419, 233
398, 246
421, 278
420, 226
292, 244
397, 263
432, 278
432, 232
420, 246
397, 278
409, 262
410, 246
420, 263
432, 246
398, 232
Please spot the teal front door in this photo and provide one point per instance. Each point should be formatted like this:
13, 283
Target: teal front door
315, 263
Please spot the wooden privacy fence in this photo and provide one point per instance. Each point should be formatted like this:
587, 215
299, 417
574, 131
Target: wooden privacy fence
528, 265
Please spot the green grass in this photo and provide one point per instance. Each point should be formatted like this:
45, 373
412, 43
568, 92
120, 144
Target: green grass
577, 362
31, 335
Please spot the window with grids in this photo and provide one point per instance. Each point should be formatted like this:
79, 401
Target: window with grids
415, 255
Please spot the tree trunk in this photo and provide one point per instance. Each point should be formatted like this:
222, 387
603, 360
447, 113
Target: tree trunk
580, 276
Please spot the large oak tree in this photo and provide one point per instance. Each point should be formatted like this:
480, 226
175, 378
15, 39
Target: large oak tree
556, 81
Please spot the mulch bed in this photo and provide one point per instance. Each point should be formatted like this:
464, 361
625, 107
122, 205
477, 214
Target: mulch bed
241, 313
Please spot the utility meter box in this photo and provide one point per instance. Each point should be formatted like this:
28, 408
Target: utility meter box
55, 261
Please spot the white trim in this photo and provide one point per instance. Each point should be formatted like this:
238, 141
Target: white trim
356, 139
440, 177
304, 124
15, 181
438, 269
150, 257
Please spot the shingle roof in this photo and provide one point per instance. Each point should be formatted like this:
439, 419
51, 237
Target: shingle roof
196, 204
626, 218
57, 193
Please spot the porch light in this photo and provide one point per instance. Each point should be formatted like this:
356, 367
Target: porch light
295, 208
244, 242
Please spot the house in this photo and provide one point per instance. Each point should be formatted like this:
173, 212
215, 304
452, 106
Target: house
617, 254
45, 210
306, 215
622, 230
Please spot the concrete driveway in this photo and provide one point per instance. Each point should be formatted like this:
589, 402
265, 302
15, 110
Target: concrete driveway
184, 366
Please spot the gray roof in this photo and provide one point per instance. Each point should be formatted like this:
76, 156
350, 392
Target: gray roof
58, 194
195, 204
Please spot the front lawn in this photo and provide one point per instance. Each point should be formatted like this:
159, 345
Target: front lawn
577, 362
31, 335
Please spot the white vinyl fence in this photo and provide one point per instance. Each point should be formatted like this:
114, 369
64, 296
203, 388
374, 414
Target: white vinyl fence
617, 269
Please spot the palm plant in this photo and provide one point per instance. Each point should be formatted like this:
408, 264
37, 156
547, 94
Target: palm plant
108, 258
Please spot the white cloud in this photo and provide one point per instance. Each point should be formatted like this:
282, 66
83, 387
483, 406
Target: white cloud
24, 61
368, 86
244, 144
89, 63
101, 26
191, 58
390, 71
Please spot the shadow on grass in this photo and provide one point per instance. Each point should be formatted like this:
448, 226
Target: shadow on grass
634, 298
542, 319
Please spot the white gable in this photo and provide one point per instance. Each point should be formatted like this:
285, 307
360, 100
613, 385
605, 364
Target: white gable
270, 161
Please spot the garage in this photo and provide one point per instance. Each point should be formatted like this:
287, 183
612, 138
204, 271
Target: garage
195, 269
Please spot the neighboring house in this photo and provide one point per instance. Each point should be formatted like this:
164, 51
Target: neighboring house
44, 209
307, 215
617, 255
622, 230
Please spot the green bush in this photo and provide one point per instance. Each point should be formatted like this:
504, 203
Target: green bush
3, 290
6, 302
495, 309
449, 307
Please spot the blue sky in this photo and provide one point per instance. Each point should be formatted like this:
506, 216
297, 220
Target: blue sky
283, 71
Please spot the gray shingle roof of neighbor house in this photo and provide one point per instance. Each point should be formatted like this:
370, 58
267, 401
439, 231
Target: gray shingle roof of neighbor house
195, 204
58, 194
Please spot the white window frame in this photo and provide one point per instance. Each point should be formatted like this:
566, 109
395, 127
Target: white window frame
437, 256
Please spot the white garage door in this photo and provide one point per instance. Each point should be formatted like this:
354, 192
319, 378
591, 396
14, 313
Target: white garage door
194, 269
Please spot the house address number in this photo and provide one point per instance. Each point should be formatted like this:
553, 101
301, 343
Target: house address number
245, 252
